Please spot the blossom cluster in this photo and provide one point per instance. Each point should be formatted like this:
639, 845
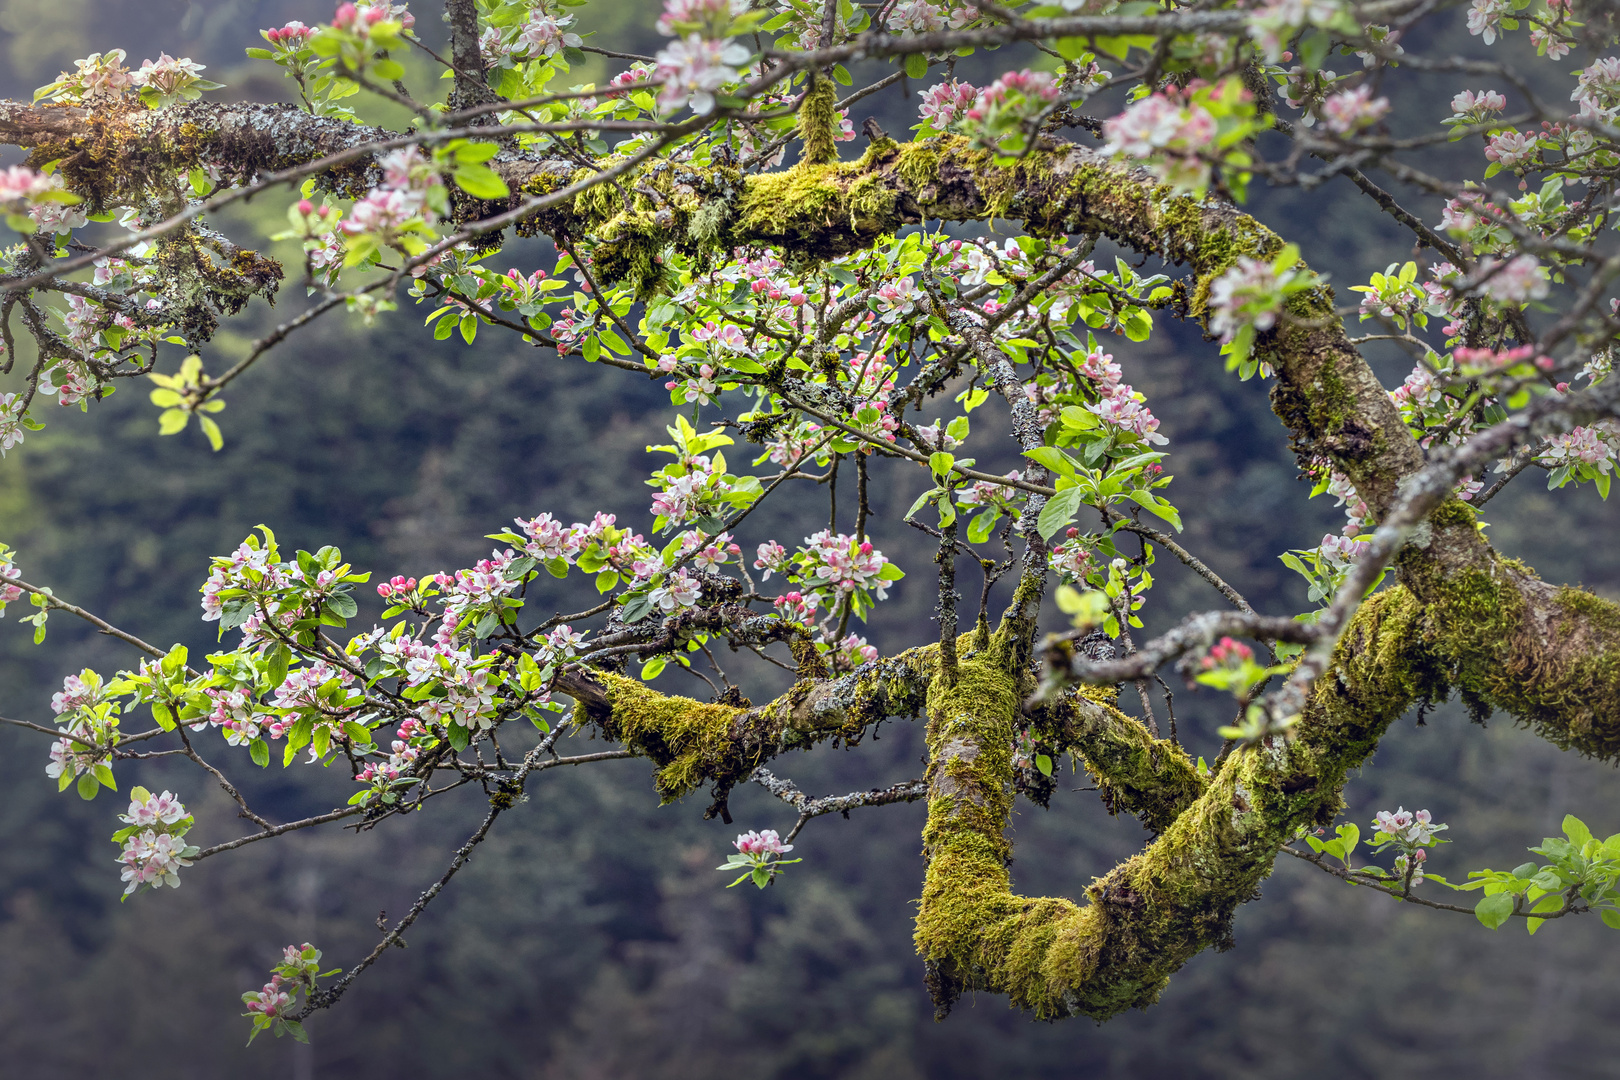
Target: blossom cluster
1249, 298
1118, 405
1006, 112
1411, 833
154, 849
409, 198
271, 1007
1176, 134
759, 856
704, 57
1072, 559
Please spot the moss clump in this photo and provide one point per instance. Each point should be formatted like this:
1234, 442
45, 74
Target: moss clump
691, 743
1153, 779
818, 119
817, 211
1149, 915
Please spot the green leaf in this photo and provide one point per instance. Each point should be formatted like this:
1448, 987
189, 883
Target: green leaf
941, 461
88, 786
1576, 830
1043, 763
1495, 910
916, 66
211, 429
1156, 506
653, 668
1610, 917
481, 182
1058, 512
1052, 458
261, 753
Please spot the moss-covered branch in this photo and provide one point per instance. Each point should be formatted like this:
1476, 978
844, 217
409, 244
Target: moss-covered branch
1135, 773
1145, 918
696, 744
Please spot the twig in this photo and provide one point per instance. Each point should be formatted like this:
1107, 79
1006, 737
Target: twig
788, 792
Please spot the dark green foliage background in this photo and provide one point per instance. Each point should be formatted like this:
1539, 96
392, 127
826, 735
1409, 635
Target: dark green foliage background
590, 937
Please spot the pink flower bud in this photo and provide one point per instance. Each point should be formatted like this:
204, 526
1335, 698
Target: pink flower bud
344, 16
385, 590
305, 206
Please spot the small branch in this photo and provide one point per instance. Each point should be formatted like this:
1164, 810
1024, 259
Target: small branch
1194, 632
230, 788
1357, 877
100, 624
277, 830
788, 792
1192, 562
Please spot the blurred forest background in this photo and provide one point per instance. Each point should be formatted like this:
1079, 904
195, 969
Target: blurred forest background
591, 937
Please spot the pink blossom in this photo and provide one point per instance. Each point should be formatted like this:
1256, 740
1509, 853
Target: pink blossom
1522, 279
766, 842
1475, 105
947, 102
916, 17
1597, 87
1550, 42
73, 695
771, 557
1072, 558
693, 69
679, 590
164, 809
1227, 653
1485, 16
545, 35
272, 1001
167, 75
382, 211
1351, 110
1510, 148
20, 183
153, 858
713, 15
294, 35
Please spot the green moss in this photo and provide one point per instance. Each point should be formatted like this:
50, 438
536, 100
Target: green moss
818, 121
917, 163
815, 211
1150, 914
1153, 779
692, 743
